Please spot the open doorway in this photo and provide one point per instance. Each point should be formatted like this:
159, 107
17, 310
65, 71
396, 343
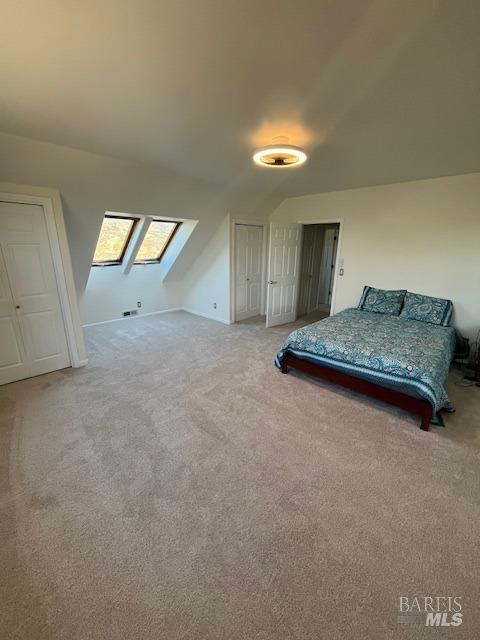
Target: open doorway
317, 270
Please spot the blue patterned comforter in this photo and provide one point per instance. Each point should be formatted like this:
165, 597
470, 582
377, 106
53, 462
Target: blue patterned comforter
410, 356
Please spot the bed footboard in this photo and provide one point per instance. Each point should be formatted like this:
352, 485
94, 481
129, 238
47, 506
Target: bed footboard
416, 406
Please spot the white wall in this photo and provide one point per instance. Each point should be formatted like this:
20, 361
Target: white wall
208, 280
109, 292
423, 236
91, 184
113, 289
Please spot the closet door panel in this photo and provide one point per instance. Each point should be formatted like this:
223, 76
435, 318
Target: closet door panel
31, 275
13, 365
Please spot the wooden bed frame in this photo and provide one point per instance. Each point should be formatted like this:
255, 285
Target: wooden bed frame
419, 407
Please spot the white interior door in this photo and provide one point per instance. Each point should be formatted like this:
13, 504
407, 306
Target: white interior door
13, 361
248, 270
283, 273
35, 318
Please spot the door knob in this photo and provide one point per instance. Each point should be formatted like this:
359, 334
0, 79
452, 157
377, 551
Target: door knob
17, 306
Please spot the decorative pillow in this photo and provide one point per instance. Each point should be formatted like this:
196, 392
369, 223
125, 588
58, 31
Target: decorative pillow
382, 300
427, 309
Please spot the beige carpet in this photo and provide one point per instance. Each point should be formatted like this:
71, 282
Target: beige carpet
181, 487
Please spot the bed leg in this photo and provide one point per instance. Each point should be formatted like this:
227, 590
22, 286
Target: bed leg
426, 419
284, 365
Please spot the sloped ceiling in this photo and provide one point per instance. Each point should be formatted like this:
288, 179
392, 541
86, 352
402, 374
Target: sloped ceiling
377, 91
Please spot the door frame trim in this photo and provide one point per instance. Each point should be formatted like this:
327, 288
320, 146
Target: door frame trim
253, 223
50, 201
340, 222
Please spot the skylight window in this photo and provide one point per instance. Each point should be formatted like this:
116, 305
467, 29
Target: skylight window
156, 241
113, 240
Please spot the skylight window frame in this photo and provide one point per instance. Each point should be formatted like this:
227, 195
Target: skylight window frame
119, 261
158, 259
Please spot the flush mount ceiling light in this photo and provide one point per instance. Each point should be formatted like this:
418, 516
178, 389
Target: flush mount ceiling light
279, 154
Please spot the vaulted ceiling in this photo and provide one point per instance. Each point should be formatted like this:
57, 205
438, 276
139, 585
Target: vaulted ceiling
376, 91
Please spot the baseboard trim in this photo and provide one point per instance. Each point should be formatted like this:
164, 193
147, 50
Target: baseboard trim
154, 313
205, 315
140, 315
80, 363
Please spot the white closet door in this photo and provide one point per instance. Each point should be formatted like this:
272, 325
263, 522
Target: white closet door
30, 272
13, 361
283, 273
248, 270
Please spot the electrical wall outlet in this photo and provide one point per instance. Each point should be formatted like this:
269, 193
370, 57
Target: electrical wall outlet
214, 305
139, 304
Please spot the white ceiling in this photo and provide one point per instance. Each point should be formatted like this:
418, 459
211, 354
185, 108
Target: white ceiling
376, 91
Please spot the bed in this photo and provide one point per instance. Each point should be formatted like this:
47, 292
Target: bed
392, 358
